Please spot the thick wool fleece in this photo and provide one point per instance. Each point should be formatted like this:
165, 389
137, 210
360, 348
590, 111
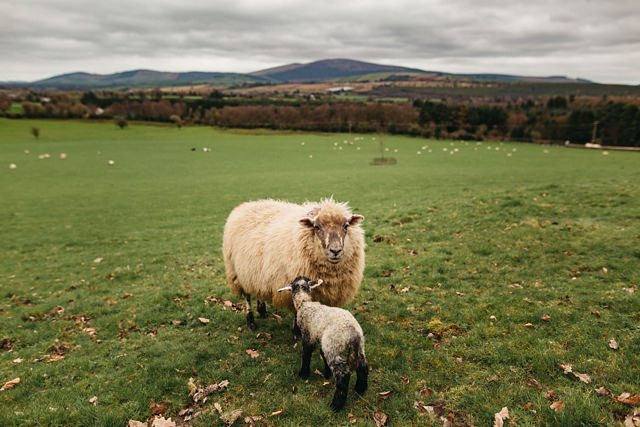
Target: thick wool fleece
264, 246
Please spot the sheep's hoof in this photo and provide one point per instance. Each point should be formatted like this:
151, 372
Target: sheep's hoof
337, 404
327, 373
251, 323
262, 310
304, 374
361, 387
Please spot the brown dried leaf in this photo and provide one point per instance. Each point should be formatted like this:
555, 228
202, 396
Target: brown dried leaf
628, 399
10, 384
162, 422
134, 423
252, 419
157, 408
352, 418
276, 413
98, 260
582, 377
404, 380
550, 395
384, 394
632, 420
202, 393
566, 368
613, 344
252, 353
203, 320
426, 392
500, 417
94, 400
528, 325
545, 318
534, 383
230, 417
557, 406
380, 418
603, 391
91, 331
55, 358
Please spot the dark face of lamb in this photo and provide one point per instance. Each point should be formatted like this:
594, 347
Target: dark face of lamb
301, 284
331, 231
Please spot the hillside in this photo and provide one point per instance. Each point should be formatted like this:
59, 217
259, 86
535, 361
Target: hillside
143, 78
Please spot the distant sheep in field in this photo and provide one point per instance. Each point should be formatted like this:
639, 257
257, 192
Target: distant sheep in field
267, 242
338, 334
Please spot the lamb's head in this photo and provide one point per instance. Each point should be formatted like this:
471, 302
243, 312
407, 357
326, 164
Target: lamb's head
300, 289
330, 224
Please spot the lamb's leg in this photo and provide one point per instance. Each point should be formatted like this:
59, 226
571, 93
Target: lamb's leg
297, 334
262, 309
341, 372
327, 370
362, 370
305, 369
251, 323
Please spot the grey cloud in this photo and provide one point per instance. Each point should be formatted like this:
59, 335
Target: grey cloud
40, 37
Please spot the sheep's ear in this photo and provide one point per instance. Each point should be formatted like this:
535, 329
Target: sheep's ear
286, 288
356, 219
307, 222
316, 284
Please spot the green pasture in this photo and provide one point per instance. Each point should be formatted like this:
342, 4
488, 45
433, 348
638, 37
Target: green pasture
111, 267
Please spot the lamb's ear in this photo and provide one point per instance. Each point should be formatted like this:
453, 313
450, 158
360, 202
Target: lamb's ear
316, 284
356, 219
306, 221
286, 288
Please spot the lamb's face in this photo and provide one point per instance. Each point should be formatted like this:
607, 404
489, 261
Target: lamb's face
301, 285
331, 232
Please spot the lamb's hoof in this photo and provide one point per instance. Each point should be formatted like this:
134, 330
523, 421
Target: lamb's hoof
251, 323
337, 405
304, 374
361, 387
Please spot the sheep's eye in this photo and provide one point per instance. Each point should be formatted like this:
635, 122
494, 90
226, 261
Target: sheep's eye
316, 227
345, 226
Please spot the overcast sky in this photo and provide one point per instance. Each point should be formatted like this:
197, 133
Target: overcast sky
597, 40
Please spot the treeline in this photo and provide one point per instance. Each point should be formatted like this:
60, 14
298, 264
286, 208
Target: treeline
552, 119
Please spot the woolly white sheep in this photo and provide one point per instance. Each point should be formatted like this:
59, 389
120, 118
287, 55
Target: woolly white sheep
339, 335
267, 242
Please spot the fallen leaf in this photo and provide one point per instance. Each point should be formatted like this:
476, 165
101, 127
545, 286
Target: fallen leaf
252, 419
546, 318
528, 325
632, 289
55, 358
94, 400
264, 335
162, 422
459, 360
426, 392
492, 317
404, 380
405, 290
98, 260
18, 360
603, 391
253, 353
203, 320
10, 384
500, 417
202, 393
230, 417
632, 420
613, 344
229, 304
566, 368
218, 407
528, 407
134, 423
460, 294
534, 383
550, 395
557, 406
385, 394
91, 331
352, 418
276, 413
192, 386
582, 377
127, 295
157, 408
380, 418
628, 399
276, 316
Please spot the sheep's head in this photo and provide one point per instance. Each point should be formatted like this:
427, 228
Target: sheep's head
332, 229
301, 284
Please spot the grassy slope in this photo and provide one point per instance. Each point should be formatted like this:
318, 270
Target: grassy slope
476, 222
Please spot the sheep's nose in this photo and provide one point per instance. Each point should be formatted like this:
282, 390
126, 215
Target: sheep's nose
335, 252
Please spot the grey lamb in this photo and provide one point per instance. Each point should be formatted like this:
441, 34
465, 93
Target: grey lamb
337, 332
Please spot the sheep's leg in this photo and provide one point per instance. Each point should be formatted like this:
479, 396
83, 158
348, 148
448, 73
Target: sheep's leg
362, 370
296, 329
327, 370
251, 323
341, 372
305, 369
262, 309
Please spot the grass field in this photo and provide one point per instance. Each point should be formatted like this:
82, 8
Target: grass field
110, 266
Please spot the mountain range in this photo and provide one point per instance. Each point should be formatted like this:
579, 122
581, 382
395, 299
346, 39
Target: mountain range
318, 71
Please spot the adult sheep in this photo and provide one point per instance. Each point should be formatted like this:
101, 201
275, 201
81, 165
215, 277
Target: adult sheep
268, 242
